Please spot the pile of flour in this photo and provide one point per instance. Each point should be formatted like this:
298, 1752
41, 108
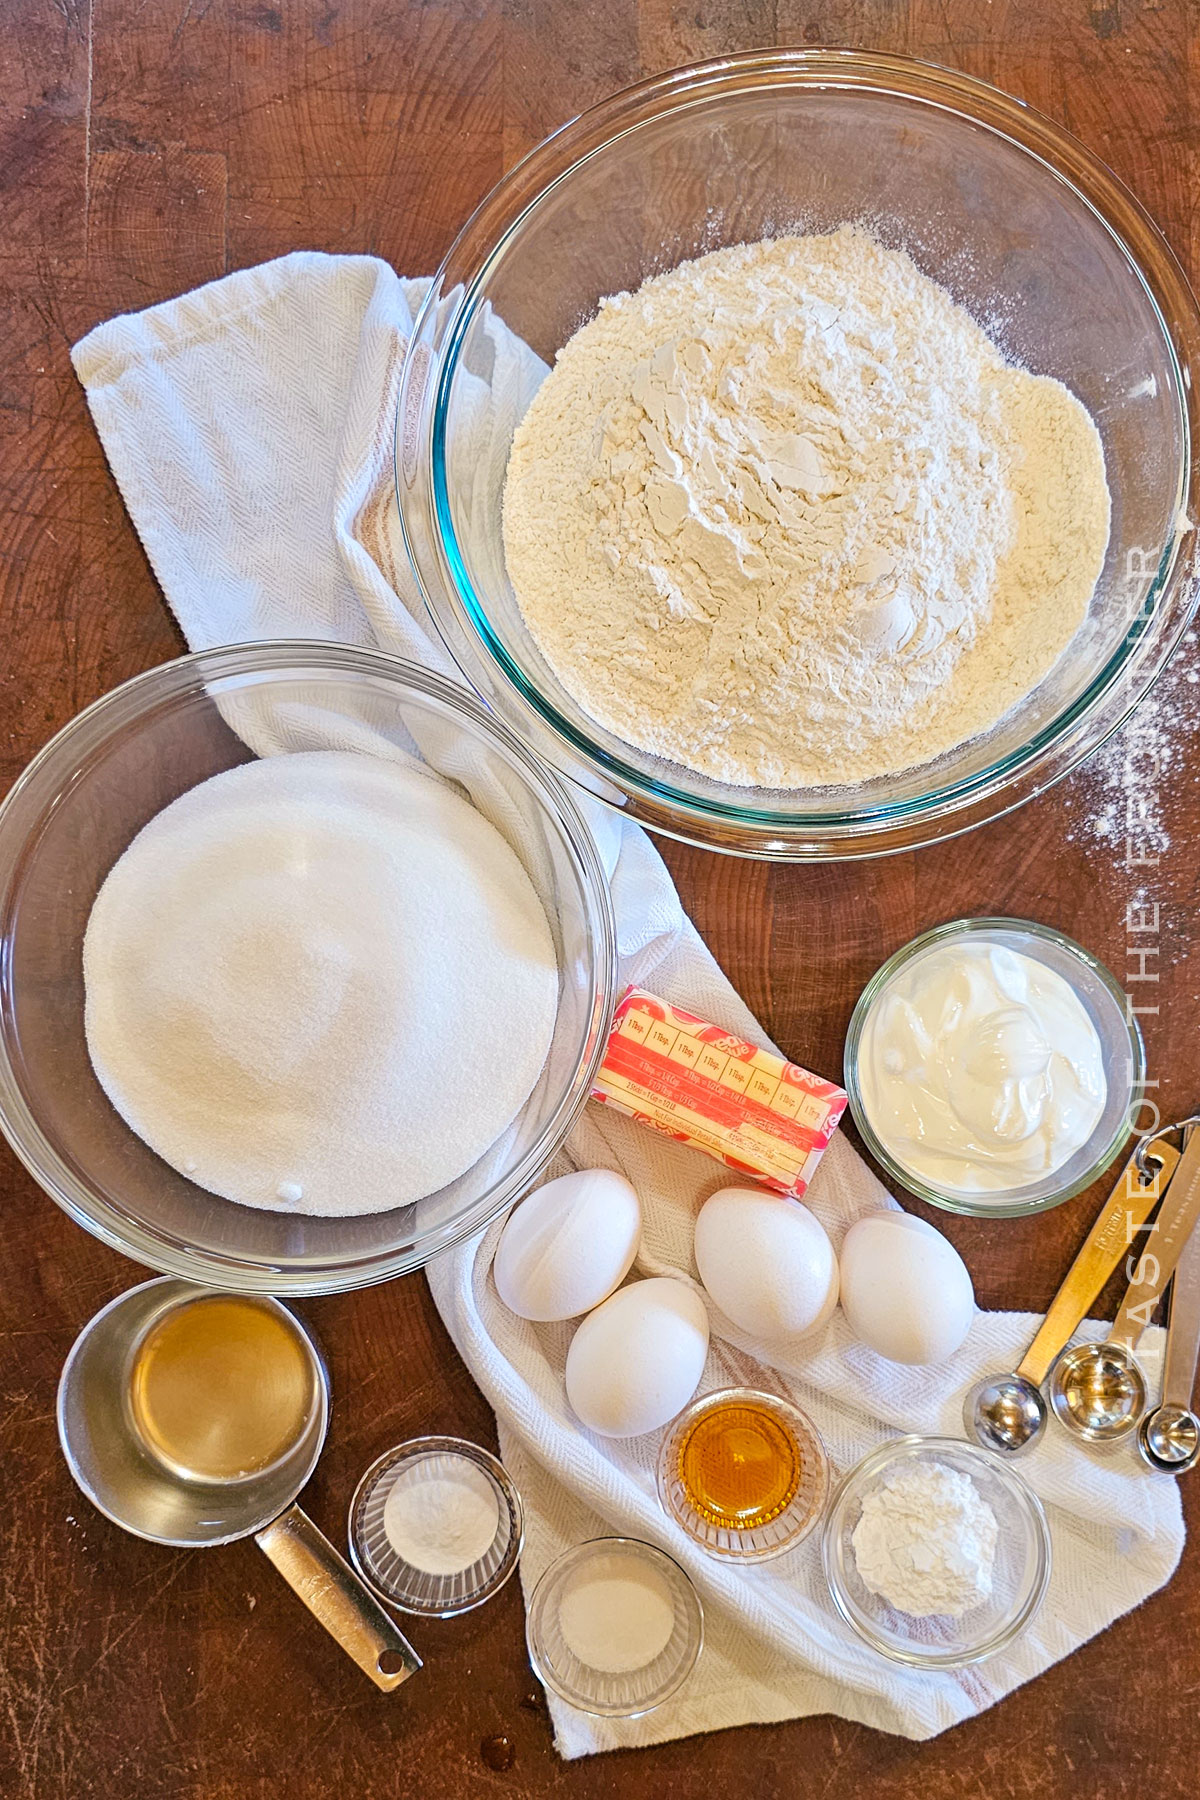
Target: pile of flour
319, 983
786, 516
926, 1541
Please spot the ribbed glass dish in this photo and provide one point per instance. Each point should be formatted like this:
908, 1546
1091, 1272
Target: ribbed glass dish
804, 1487
1020, 1575
1025, 227
400, 1582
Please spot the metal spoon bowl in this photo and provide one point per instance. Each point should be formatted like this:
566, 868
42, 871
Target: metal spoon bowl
1099, 1392
1169, 1440
1169, 1437
1005, 1413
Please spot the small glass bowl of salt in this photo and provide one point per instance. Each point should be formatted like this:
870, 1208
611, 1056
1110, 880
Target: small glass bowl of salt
436, 1526
936, 1552
614, 1627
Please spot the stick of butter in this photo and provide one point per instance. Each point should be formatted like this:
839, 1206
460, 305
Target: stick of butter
703, 1086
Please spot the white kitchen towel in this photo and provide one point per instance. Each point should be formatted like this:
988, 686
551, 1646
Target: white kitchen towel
249, 427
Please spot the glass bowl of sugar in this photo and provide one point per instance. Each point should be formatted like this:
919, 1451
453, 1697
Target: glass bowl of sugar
267, 720
615, 572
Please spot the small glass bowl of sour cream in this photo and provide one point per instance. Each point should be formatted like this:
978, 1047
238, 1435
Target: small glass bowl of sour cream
993, 1067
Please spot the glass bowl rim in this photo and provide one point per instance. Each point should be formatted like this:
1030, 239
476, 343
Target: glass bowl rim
966, 1205
902, 1449
687, 1662
784, 1408
938, 811
85, 734
398, 1457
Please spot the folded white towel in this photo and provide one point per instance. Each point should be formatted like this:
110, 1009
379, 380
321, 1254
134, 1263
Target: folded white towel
249, 428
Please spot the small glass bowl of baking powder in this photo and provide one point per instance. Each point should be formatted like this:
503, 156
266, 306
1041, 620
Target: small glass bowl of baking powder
920, 1161
436, 1526
614, 1627
977, 1539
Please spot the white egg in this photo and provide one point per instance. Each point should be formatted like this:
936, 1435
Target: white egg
767, 1262
637, 1360
568, 1245
906, 1291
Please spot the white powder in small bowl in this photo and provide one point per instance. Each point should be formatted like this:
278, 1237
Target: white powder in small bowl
442, 1515
926, 1542
616, 1615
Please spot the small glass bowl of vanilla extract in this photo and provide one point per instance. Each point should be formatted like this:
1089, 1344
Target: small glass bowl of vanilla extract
744, 1473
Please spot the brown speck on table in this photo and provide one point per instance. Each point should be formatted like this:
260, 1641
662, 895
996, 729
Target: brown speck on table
497, 1752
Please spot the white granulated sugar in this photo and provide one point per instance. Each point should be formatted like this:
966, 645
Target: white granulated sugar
785, 515
319, 983
616, 1616
926, 1541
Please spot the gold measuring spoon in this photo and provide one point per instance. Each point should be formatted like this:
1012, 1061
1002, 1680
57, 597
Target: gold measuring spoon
1007, 1413
1097, 1390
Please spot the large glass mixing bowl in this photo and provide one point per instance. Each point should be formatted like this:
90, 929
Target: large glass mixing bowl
1032, 234
72, 814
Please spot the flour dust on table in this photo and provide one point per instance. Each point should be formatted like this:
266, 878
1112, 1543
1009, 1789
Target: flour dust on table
300, 981
787, 516
1123, 798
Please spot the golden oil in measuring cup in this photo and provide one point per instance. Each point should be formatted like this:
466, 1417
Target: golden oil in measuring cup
222, 1387
739, 1466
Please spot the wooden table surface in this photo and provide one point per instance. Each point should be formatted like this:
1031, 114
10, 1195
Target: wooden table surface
148, 145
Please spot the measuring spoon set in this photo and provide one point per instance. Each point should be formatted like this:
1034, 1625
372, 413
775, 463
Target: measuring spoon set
1098, 1391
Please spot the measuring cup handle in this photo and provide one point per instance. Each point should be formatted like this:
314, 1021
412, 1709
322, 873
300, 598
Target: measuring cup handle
334, 1594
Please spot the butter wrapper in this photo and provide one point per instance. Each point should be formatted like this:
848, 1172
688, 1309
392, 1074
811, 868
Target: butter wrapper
759, 1115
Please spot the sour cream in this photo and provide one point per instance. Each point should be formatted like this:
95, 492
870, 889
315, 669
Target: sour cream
980, 1069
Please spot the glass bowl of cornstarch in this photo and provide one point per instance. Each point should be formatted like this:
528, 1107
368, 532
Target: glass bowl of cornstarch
936, 1552
797, 450
307, 968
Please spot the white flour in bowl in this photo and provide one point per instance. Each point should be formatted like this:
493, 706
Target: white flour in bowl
786, 516
926, 1541
319, 983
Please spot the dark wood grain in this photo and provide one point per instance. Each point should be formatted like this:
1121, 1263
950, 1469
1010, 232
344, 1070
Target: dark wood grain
146, 145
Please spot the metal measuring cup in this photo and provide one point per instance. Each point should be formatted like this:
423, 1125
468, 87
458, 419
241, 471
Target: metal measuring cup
1098, 1391
1008, 1413
145, 1495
